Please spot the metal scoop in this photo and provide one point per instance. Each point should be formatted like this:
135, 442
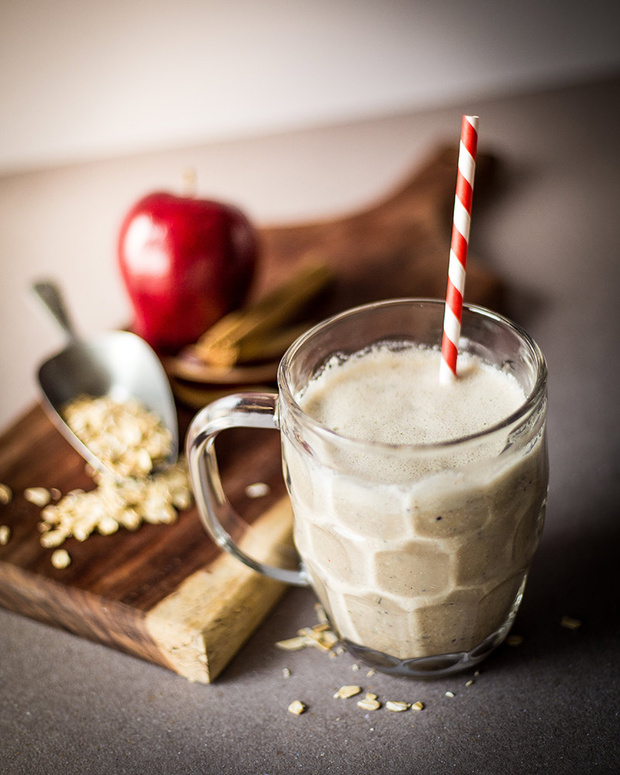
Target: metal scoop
118, 364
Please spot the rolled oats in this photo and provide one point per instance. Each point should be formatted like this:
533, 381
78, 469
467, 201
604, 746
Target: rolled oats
131, 441
53, 538
127, 438
296, 707
397, 707
129, 519
292, 644
569, 623
347, 691
61, 559
320, 637
50, 515
135, 441
257, 490
40, 496
107, 525
368, 704
6, 494
113, 504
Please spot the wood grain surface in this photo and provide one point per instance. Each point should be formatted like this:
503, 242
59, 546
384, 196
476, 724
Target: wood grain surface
166, 593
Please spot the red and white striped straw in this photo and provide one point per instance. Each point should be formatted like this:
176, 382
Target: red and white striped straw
458, 247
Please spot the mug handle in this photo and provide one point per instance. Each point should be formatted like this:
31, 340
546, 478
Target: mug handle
239, 410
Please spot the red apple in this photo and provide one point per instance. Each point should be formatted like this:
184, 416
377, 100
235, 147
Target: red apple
185, 263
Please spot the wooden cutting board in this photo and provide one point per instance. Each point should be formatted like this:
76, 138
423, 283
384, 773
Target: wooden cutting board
166, 593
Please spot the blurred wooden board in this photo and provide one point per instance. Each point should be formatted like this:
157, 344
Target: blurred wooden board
166, 593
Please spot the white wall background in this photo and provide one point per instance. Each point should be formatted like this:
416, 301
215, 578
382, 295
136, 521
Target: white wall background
82, 79
212, 85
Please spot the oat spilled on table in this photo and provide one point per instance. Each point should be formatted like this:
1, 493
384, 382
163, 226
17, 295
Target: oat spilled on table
322, 638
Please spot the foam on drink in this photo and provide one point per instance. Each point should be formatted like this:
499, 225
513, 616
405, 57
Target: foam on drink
390, 394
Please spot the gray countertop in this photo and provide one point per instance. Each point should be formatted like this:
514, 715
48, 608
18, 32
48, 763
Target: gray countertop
550, 704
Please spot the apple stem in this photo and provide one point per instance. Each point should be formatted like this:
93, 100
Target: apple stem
189, 182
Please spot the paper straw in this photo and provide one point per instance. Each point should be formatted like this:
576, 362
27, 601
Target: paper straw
458, 248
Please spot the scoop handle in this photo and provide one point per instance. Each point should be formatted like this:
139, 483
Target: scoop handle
49, 294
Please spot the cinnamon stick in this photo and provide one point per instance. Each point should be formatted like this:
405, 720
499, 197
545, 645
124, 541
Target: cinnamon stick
251, 328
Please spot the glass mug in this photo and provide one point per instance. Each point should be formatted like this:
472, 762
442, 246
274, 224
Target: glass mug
419, 553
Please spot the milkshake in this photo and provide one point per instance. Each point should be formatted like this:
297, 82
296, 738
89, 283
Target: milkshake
417, 506
416, 547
